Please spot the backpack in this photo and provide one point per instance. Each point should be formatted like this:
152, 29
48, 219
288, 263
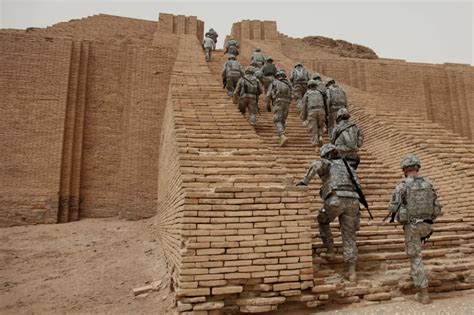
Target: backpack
337, 98
233, 67
349, 136
249, 86
299, 75
315, 100
282, 90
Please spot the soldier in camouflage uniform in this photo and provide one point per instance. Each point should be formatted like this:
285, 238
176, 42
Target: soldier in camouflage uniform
232, 47
269, 71
336, 99
212, 34
299, 78
279, 96
257, 71
248, 90
231, 73
313, 112
415, 205
348, 138
208, 46
258, 57
340, 200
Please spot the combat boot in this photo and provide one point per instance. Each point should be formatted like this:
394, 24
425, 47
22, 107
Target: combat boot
330, 254
320, 141
423, 296
283, 140
352, 272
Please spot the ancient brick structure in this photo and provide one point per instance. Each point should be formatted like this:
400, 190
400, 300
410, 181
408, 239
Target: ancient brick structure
110, 116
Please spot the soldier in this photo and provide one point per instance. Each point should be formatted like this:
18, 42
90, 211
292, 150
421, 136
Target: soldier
279, 95
340, 200
415, 205
348, 138
208, 46
248, 90
258, 57
269, 71
336, 99
299, 78
313, 112
213, 34
231, 73
257, 71
232, 47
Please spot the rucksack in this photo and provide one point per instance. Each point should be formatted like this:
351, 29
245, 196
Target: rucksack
349, 136
315, 100
282, 90
249, 86
299, 75
233, 67
337, 97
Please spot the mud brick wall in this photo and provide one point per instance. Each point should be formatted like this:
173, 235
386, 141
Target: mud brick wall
33, 95
180, 24
104, 27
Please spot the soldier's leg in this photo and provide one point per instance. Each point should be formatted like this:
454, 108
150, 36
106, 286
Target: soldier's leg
277, 116
230, 85
243, 104
331, 122
326, 215
252, 107
313, 127
284, 116
320, 120
349, 222
413, 234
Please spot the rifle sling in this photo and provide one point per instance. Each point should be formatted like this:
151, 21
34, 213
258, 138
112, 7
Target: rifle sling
342, 130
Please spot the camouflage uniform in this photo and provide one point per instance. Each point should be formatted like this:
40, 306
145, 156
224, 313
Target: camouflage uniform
208, 45
269, 70
336, 99
340, 200
248, 90
313, 112
258, 57
299, 78
347, 138
232, 47
415, 204
231, 73
213, 34
279, 94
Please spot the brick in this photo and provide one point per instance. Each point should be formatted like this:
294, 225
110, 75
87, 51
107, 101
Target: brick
227, 290
193, 292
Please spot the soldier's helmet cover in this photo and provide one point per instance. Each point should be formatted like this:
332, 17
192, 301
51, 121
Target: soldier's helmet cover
312, 83
410, 160
250, 70
326, 149
258, 49
343, 113
299, 64
231, 56
269, 58
330, 82
316, 76
280, 73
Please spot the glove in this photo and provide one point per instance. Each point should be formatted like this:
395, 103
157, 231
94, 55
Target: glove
301, 183
305, 123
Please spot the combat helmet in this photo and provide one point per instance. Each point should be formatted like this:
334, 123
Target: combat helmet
258, 49
326, 149
343, 114
280, 73
316, 76
269, 58
299, 63
410, 160
231, 56
249, 70
330, 82
312, 83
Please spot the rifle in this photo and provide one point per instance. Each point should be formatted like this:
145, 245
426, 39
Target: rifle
224, 82
358, 189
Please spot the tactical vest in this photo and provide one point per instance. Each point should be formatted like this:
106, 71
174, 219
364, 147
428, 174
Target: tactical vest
250, 86
419, 198
299, 75
269, 69
337, 98
315, 100
257, 56
281, 91
347, 136
233, 68
337, 180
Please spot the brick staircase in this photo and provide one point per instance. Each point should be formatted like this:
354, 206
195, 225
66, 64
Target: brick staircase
383, 266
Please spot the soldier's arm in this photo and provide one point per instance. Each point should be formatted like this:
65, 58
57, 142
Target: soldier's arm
332, 136
397, 200
304, 109
259, 87
360, 137
268, 97
238, 87
224, 72
316, 168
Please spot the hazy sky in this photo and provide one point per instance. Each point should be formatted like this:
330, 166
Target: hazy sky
422, 31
